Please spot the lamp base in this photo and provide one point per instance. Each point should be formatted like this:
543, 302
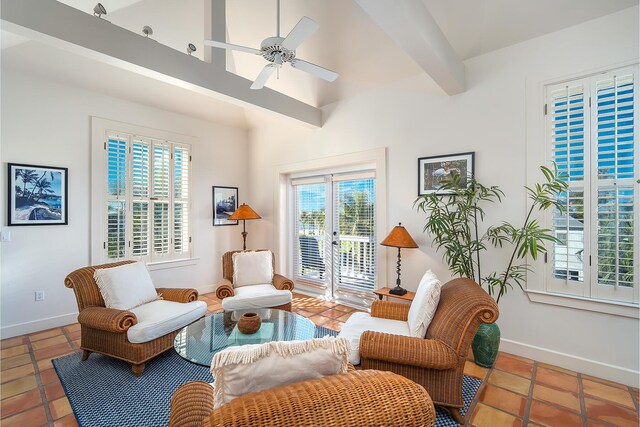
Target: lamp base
398, 291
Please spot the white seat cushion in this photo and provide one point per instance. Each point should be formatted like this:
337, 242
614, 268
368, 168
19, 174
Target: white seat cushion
125, 286
424, 305
158, 318
252, 268
360, 322
251, 368
256, 296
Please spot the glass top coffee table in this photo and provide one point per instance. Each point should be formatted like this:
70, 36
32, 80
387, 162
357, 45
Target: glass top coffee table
202, 339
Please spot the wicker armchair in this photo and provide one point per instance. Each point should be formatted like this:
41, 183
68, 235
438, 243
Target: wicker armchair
362, 398
225, 286
104, 330
437, 362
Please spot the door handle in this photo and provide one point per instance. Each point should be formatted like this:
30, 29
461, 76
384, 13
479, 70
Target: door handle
334, 243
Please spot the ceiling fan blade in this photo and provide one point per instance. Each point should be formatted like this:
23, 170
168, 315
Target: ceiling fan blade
314, 69
230, 46
262, 78
303, 29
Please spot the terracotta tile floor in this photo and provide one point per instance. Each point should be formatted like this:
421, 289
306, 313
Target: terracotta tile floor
515, 392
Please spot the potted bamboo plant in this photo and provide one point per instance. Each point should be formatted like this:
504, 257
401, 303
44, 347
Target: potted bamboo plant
455, 218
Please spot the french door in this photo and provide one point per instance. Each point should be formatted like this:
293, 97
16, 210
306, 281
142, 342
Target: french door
334, 235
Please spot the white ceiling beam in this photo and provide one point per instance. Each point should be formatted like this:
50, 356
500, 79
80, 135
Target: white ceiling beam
65, 27
215, 26
411, 26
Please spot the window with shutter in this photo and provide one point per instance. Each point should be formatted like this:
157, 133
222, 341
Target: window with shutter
147, 198
592, 137
181, 162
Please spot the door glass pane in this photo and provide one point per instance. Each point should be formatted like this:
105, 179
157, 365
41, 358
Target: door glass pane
355, 223
310, 229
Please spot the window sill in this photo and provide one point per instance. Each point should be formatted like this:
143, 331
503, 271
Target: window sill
580, 303
163, 265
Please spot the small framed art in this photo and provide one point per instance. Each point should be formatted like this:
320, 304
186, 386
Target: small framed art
38, 195
434, 170
225, 202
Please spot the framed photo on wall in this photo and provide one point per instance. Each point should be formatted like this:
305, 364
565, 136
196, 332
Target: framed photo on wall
38, 195
225, 202
432, 171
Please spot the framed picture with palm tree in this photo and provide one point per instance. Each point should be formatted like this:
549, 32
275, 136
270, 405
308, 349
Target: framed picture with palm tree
38, 195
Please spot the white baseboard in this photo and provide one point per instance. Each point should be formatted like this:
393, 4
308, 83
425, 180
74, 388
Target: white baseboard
574, 363
10, 331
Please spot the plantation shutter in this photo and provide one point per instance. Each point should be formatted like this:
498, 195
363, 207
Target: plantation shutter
148, 199
592, 136
116, 233
181, 166
140, 178
613, 185
161, 198
355, 227
309, 228
566, 131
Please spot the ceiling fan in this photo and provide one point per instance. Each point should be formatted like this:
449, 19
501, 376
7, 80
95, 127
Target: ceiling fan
278, 50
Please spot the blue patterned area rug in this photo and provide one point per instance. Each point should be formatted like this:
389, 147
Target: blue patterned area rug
103, 392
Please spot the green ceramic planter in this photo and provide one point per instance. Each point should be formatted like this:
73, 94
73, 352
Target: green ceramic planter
485, 345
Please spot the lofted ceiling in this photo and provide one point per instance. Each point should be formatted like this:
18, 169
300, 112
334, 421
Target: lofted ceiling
348, 42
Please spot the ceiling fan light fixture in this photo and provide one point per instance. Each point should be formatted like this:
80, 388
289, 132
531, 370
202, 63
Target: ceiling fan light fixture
99, 10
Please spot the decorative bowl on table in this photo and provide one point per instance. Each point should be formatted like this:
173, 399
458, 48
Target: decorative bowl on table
249, 323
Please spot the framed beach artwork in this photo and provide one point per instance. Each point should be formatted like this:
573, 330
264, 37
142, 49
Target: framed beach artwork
225, 202
434, 170
37, 195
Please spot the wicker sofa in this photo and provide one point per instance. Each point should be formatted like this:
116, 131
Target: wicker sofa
356, 398
437, 361
104, 330
226, 289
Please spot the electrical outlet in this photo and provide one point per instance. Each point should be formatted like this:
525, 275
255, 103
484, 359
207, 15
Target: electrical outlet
39, 295
5, 236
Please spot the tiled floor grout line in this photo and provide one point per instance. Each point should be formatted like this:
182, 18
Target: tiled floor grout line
527, 404
583, 405
474, 401
36, 370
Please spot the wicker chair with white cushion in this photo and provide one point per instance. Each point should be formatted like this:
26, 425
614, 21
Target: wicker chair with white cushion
426, 342
122, 315
250, 283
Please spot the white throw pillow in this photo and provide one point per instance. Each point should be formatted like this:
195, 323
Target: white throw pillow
126, 286
251, 368
252, 268
424, 305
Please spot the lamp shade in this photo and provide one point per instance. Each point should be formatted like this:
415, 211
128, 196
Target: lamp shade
399, 238
244, 211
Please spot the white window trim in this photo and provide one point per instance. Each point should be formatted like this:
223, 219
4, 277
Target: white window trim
375, 159
99, 127
536, 155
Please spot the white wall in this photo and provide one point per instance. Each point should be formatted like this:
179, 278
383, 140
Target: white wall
413, 121
46, 123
